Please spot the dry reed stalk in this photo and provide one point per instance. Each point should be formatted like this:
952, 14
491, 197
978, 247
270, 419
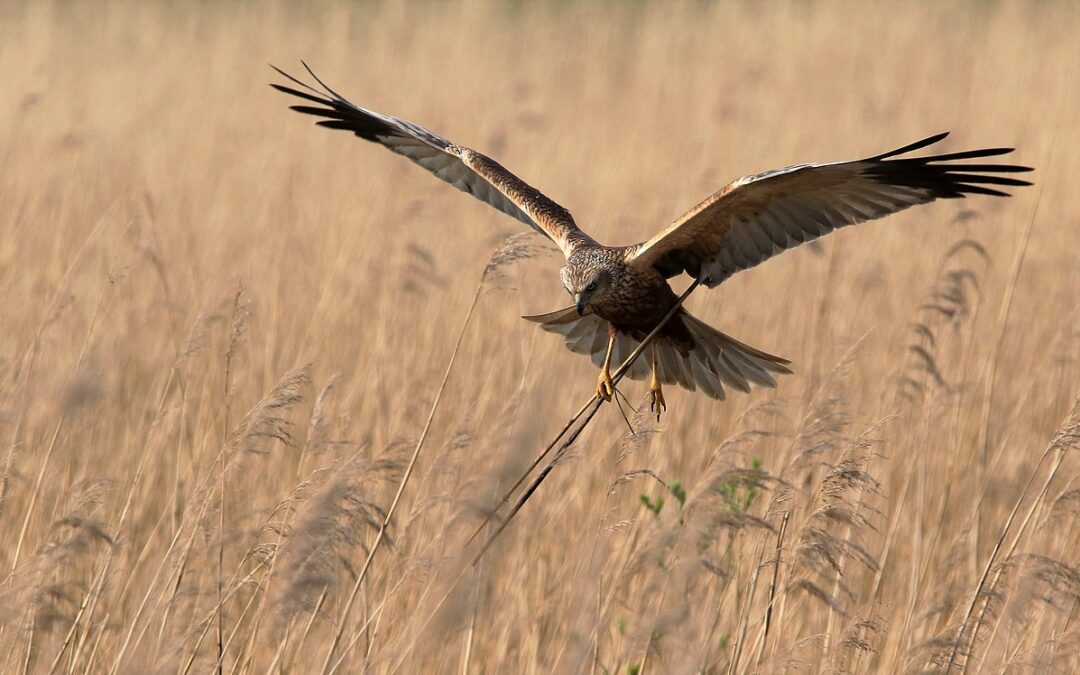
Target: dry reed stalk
343, 621
1067, 437
95, 590
30, 359
315, 436
513, 249
1006, 310
34, 495
208, 621
262, 422
236, 333
819, 430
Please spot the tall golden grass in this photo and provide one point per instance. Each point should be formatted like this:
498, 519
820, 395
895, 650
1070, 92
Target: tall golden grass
223, 330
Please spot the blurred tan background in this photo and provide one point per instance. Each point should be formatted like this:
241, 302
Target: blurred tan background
174, 241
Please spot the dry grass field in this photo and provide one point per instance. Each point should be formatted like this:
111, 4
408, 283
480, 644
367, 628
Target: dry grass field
222, 331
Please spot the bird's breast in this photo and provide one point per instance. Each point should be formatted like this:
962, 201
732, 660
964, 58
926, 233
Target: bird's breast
635, 303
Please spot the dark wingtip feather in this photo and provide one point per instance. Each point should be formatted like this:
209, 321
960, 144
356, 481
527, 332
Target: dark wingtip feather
967, 188
929, 140
295, 81
300, 94
991, 180
312, 110
323, 84
997, 168
942, 176
968, 154
339, 124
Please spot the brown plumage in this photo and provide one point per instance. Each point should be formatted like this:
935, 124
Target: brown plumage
621, 293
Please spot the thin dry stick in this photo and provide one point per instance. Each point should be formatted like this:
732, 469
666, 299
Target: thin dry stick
525, 474
593, 406
404, 479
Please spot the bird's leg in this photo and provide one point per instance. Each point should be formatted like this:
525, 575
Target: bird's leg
605, 386
658, 404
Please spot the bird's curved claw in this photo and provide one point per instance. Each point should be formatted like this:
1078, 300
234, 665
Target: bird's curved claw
605, 386
657, 404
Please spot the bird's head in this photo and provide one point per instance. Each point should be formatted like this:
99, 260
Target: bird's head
586, 283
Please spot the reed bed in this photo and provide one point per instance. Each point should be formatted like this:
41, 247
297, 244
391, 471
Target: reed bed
239, 431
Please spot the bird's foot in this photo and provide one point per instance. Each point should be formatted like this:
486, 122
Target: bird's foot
605, 386
657, 404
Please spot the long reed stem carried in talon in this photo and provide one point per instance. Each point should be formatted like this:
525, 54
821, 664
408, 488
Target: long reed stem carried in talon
589, 410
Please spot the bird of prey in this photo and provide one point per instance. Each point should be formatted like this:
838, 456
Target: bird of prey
621, 293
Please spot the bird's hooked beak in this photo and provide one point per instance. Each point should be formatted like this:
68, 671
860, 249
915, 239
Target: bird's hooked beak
581, 304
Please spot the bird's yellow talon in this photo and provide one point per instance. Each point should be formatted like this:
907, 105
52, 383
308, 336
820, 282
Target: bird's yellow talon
605, 386
658, 404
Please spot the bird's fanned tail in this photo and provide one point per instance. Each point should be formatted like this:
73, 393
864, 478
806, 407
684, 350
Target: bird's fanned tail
716, 361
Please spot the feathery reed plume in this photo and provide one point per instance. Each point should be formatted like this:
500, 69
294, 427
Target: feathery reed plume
822, 551
335, 519
822, 430
421, 271
860, 638
318, 433
721, 502
643, 431
950, 300
266, 421
47, 587
1044, 580
1066, 505
515, 248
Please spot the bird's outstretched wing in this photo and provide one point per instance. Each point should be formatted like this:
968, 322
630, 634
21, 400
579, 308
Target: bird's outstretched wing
465, 169
757, 217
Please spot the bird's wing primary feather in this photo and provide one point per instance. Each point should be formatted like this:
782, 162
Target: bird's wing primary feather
465, 169
759, 216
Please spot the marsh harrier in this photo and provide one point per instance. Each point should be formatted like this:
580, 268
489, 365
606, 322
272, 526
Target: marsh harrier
621, 292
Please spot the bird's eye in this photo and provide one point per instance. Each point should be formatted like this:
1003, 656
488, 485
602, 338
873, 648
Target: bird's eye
591, 287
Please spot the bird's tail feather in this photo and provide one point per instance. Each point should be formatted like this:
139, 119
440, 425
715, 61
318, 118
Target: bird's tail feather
715, 361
